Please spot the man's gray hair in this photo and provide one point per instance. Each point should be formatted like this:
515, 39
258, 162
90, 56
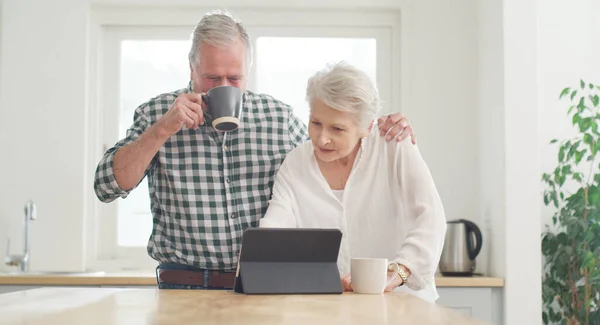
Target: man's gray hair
220, 29
346, 88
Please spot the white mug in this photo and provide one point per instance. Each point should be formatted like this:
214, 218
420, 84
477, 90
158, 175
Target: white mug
369, 275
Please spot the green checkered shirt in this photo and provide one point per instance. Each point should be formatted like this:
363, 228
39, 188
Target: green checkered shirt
207, 188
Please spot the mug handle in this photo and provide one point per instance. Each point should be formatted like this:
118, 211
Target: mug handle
396, 267
207, 111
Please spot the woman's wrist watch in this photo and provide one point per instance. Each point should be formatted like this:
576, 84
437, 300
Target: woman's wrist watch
401, 273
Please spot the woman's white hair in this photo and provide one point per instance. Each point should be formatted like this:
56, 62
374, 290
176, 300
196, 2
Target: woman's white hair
346, 88
218, 28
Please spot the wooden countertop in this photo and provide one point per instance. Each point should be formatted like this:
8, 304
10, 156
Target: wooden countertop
106, 306
149, 279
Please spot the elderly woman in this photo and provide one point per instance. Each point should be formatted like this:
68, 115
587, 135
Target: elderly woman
379, 194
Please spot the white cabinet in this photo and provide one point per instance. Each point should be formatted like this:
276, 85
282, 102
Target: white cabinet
14, 288
484, 303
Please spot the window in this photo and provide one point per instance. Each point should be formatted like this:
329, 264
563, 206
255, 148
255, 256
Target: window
286, 57
138, 61
284, 64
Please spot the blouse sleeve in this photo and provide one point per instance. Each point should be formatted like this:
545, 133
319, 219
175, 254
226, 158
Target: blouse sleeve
421, 250
280, 213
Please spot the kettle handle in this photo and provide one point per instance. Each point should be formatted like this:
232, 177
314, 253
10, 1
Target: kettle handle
472, 228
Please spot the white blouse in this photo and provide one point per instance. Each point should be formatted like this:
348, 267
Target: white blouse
389, 208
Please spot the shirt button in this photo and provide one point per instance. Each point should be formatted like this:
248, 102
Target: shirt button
227, 179
233, 215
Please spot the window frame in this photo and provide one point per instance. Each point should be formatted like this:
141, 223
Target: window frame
111, 23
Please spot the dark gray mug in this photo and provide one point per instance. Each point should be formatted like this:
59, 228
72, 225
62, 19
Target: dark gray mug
224, 106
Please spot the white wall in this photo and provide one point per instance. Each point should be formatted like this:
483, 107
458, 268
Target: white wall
3, 223
42, 135
508, 131
440, 70
491, 132
522, 291
568, 39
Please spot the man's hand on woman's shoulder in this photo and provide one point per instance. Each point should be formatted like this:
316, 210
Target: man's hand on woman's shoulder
396, 126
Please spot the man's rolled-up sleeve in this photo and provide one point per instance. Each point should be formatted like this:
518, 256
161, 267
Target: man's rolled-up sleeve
105, 184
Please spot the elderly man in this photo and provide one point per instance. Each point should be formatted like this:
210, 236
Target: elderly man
207, 187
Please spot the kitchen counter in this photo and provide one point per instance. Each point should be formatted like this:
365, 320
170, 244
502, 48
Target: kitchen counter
149, 279
107, 306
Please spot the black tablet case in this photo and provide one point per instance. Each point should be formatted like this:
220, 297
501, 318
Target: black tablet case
289, 261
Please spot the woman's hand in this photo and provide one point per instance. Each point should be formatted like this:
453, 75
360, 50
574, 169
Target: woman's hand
398, 280
394, 284
347, 283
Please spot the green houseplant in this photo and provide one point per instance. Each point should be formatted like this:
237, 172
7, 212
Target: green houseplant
571, 245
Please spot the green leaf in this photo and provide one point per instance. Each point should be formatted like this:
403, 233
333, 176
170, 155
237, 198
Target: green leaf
570, 109
589, 237
572, 150
573, 94
581, 104
561, 154
564, 92
585, 124
549, 244
553, 141
587, 138
562, 239
545, 317
577, 177
545, 177
595, 100
591, 86
582, 84
594, 196
576, 119
590, 261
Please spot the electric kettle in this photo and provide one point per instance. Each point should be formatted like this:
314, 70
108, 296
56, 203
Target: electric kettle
461, 246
